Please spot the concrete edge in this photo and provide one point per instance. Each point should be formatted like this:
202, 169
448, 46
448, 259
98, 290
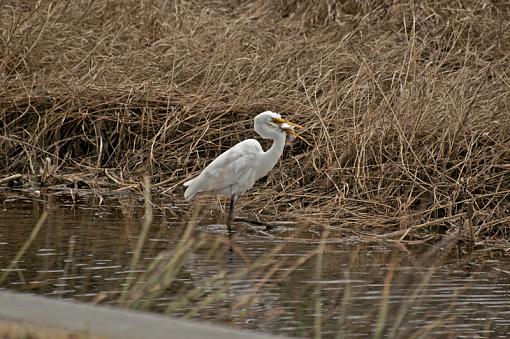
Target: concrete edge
109, 321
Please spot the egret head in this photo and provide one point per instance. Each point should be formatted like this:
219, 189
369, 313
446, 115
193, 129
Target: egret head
269, 124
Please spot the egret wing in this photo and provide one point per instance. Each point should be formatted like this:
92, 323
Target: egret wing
233, 167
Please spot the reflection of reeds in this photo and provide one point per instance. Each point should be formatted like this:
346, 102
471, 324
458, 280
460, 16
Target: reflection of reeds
382, 319
392, 319
318, 275
140, 292
25, 245
147, 221
214, 295
143, 290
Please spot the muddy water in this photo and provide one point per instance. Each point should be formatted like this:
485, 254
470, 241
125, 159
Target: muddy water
84, 251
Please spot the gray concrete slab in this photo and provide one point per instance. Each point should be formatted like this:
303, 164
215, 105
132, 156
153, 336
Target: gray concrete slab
108, 321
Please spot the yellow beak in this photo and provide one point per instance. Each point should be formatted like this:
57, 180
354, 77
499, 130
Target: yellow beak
289, 128
283, 121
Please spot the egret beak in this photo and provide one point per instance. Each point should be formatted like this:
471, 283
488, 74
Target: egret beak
288, 127
283, 121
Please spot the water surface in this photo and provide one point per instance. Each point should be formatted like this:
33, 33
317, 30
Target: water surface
84, 251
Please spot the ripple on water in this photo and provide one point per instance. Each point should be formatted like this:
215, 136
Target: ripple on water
87, 255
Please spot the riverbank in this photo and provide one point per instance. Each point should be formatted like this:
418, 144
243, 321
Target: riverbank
404, 104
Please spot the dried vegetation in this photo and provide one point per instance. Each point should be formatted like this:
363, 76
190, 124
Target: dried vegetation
14, 330
405, 104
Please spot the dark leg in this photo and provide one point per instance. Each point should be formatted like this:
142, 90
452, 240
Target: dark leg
230, 214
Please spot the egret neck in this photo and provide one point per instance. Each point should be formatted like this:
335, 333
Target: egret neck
269, 159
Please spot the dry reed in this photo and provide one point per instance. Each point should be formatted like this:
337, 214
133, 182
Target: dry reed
406, 103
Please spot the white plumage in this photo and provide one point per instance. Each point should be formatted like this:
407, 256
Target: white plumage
236, 170
232, 172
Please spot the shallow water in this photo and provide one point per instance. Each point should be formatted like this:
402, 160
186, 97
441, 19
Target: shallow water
84, 251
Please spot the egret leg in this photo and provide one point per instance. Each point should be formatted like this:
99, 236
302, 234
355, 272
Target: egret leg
231, 214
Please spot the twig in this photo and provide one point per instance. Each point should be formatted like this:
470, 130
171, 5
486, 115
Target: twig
111, 177
10, 178
412, 228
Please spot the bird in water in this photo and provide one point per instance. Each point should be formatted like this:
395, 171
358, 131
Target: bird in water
236, 170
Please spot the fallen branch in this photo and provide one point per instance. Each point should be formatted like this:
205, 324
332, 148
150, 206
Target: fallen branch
10, 178
415, 227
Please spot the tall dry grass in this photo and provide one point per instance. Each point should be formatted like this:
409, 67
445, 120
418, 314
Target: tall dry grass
405, 104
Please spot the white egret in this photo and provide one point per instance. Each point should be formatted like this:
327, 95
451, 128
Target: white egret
236, 170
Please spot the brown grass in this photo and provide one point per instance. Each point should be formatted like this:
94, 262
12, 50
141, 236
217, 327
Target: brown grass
406, 104
14, 330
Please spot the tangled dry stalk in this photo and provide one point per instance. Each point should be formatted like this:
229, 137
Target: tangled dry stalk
406, 104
